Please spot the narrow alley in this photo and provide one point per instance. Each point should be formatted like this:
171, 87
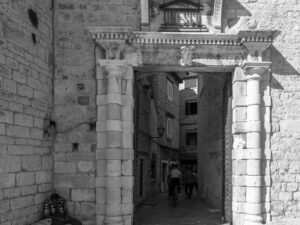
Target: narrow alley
160, 211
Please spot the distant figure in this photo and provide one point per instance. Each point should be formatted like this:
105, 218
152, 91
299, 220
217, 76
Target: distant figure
189, 182
56, 209
174, 179
195, 183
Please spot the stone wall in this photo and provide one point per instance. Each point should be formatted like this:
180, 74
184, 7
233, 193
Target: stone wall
25, 101
210, 139
282, 16
75, 91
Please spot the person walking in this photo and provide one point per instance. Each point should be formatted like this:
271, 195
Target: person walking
174, 179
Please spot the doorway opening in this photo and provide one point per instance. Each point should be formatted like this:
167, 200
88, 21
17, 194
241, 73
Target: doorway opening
194, 109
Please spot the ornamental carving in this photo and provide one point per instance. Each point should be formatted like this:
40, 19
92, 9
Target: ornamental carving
182, 15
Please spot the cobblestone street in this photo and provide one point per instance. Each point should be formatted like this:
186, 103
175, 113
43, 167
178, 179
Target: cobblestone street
187, 212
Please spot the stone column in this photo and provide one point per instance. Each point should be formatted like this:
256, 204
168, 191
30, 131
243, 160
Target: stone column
114, 180
255, 207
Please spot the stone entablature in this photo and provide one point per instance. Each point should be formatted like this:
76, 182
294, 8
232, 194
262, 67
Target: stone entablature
186, 49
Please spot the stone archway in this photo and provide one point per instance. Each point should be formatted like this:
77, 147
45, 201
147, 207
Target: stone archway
126, 50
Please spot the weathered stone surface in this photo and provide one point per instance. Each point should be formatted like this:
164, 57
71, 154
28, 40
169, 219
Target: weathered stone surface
83, 195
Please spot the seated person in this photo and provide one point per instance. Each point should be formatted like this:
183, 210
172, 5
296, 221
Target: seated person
56, 209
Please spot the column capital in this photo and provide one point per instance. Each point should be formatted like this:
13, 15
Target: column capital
114, 68
256, 49
255, 70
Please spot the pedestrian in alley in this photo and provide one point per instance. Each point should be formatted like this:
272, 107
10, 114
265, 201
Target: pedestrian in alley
56, 209
195, 182
174, 179
188, 182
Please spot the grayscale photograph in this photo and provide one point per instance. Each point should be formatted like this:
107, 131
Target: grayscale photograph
149, 112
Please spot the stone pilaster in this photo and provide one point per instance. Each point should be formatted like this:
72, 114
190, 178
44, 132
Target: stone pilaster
114, 181
257, 174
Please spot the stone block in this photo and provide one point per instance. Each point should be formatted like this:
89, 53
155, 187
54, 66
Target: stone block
85, 166
290, 126
40, 198
25, 91
19, 77
7, 180
127, 139
4, 206
114, 112
114, 139
127, 196
45, 187
285, 196
100, 195
73, 181
83, 147
43, 177
87, 195
127, 182
21, 149
12, 192
10, 86
6, 116
23, 120
36, 133
16, 107
64, 167
18, 131
10, 163
25, 178
31, 163
83, 100
127, 167
100, 210
88, 210
113, 167
63, 147
21, 202
29, 190
47, 162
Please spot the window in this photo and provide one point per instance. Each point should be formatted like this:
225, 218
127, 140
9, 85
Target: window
170, 88
191, 108
169, 127
191, 138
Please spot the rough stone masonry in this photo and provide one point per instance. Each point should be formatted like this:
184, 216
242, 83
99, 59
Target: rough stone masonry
44, 78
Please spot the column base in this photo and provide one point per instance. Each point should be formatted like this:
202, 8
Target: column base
254, 220
253, 223
114, 220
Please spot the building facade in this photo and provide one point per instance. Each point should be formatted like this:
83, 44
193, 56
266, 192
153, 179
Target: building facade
58, 76
188, 123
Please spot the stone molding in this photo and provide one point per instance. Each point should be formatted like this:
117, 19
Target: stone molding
180, 38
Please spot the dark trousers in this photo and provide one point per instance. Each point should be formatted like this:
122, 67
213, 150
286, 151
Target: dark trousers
173, 183
189, 189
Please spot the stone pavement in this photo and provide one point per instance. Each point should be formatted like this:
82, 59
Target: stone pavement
160, 211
